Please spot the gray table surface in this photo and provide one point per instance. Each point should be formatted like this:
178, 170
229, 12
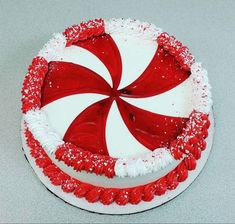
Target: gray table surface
207, 27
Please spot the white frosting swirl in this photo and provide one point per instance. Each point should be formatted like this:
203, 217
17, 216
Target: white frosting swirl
132, 27
147, 163
39, 127
53, 48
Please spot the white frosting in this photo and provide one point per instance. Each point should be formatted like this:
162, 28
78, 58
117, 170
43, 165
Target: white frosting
38, 125
147, 163
132, 27
81, 56
62, 112
120, 142
176, 102
53, 48
201, 99
136, 54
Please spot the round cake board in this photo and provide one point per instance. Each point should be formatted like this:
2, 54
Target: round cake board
129, 208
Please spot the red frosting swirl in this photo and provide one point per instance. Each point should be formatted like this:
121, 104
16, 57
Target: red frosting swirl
190, 162
136, 195
172, 180
108, 196
148, 192
122, 197
82, 189
84, 31
161, 186
94, 194
182, 172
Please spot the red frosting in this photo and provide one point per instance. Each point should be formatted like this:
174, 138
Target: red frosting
84, 31
107, 196
160, 186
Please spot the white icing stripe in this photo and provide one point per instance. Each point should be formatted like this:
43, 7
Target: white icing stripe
176, 102
53, 48
42, 131
81, 56
132, 27
136, 54
147, 163
62, 112
120, 142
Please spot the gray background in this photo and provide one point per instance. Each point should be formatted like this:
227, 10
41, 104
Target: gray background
207, 27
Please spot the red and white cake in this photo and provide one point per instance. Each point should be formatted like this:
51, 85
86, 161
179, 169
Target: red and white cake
116, 113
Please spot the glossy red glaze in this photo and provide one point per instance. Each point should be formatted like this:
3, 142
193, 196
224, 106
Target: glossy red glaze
150, 129
65, 78
88, 129
106, 50
162, 74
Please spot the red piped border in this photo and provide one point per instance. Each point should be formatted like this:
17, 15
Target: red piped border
176, 48
80, 159
107, 196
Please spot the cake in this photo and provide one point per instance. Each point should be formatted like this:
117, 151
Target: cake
116, 113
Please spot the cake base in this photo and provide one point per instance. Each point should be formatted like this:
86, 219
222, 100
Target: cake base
129, 208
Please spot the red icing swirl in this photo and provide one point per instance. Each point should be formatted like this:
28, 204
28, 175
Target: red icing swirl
182, 172
84, 31
82, 190
175, 47
68, 185
122, 197
161, 186
94, 194
172, 180
148, 192
136, 195
190, 162
108, 196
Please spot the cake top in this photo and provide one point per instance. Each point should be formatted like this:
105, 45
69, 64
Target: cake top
121, 90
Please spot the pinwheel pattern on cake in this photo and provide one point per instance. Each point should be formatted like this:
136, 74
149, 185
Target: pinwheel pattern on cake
115, 98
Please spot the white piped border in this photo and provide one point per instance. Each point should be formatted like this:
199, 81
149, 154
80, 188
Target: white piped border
147, 163
132, 27
53, 48
39, 127
201, 99
150, 162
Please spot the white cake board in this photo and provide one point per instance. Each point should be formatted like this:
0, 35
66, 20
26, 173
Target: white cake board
126, 209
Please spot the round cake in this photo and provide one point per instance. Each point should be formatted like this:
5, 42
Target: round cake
117, 116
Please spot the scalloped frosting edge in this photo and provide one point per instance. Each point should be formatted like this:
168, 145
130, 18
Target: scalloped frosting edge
107, 196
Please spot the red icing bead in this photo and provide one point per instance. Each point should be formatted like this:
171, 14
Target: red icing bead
161, 186
172, 180
196, 152
94, 194
108, 196
122, 197
202, 144
182, 172
43, 162
190, 162
148, 192
68, 185
81, 190
136, 195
